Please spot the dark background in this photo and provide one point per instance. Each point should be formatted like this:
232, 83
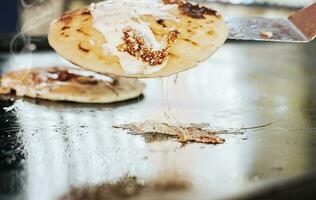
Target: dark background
9, 16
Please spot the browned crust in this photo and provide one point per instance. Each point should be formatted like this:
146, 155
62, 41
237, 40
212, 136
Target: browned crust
194, 11
67, 17
173, 1
161, 22
190, 41
79, 30
65, 28
135, 46
81, 48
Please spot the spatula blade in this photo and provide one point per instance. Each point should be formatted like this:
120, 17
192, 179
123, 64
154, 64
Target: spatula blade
264, 29
299, 27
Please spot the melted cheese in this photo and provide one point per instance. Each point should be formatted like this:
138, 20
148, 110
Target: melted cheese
112, 17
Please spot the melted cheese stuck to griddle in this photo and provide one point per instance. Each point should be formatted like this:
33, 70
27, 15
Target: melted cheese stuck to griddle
119, 19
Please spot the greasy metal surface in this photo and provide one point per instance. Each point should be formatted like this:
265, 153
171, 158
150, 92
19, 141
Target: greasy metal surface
48, 147
281, 3
251, 28
299, 27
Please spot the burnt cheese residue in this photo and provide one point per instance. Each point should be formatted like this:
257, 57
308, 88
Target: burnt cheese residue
129, 187
126, 188
183, 133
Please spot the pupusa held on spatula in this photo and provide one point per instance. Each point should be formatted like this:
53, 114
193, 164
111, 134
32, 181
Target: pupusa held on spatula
138, 38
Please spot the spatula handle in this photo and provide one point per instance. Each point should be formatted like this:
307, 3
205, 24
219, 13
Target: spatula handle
305, 21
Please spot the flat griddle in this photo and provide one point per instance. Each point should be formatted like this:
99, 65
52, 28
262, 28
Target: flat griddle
48, 147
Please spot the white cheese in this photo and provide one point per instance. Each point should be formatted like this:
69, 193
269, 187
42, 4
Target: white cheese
112, 17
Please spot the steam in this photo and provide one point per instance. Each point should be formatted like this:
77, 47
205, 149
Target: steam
34, 19
28, 3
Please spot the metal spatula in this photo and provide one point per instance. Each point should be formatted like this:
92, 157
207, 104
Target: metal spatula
299, 27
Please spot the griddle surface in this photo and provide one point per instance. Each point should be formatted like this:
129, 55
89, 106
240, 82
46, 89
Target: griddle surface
48, 147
